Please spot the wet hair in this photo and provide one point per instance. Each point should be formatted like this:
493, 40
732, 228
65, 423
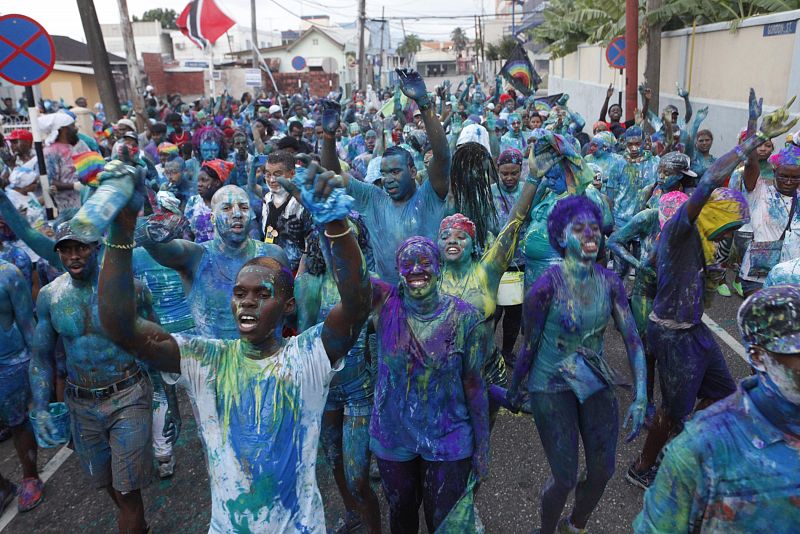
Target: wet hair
400, 151
473, 197
289, 142
315, 260
283, 157
564, 212
705, 132
286, 277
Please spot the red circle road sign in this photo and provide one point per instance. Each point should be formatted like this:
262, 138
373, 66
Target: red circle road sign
27, 53
615, 53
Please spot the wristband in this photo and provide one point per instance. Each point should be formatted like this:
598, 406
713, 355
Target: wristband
129, 246
335, 236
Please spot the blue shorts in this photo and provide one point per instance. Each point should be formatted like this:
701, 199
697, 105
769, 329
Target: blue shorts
690, 366
15, 394
355, 396
112, 436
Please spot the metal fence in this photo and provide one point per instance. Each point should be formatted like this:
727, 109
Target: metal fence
7, 124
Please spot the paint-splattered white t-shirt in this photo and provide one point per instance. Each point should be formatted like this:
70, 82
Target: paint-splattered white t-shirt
260, 420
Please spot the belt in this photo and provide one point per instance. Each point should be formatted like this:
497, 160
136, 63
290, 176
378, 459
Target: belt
105, 392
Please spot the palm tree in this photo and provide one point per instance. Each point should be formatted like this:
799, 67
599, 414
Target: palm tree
409, 46
459, 39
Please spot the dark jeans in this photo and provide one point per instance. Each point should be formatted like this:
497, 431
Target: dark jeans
560, 420
512, 321
436, 485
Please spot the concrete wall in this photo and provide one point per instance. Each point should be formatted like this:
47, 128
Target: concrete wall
725, 65
69, 86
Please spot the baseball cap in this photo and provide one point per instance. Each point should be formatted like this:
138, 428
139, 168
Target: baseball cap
274, 108
127, 123
130, 135
770, 318
677, 162
20, 135
417, 112
65, 233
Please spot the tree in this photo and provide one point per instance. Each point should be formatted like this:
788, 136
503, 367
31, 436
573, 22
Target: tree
409, 46
501, 50
459, 39
166, 17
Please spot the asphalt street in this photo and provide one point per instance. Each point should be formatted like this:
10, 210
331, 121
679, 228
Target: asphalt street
507, 502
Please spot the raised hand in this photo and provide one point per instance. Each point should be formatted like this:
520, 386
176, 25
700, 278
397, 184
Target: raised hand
412, 85
542, 162
683, 93
456, 124
320, 192
702, 113
778, 122
755, 105
331, 116
563, 100
610, 91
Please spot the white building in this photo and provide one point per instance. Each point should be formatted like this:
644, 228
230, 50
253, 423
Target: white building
147, 36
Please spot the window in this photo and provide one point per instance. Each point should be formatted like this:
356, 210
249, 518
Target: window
315, 42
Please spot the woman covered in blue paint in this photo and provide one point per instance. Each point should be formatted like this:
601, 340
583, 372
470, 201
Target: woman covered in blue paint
562, 369
430, 422
345, 421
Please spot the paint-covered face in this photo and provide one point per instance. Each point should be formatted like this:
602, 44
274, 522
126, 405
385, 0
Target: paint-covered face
206, 185
555, 180
275, 171
634, 146
787, 178
174, 173
370, 138
535, 122
765, 150
784, 372
704, 142
516, 125
209, 150
259, 303
509, 176
398, 177
231, 211
615, 113
296, 132
582, 237
79, 259
240, 146
455, 245
419, 271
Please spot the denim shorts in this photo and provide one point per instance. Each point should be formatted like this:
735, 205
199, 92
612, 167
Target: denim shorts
112, 436
15, 394
355, 396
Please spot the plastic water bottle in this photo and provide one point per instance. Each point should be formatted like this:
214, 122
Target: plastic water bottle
102, 207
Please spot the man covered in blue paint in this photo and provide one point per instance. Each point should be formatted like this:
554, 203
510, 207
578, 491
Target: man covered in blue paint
735, 467
401, 209
260, 397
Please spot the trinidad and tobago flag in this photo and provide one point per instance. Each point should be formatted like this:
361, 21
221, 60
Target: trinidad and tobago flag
203, 22
519, 72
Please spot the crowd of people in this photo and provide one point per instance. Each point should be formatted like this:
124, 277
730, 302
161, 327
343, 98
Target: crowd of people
322, 268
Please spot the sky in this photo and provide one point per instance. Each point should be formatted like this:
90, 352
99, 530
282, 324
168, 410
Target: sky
61, 17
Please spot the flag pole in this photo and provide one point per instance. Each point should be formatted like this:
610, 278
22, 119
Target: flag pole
210, 53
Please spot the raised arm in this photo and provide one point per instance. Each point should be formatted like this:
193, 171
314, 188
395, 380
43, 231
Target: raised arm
307, 299
413, 86
684, 94
496, 260
776, 123
702, 113
752, 170
144, 339
331, 117
604, 109
623, 318
38, 242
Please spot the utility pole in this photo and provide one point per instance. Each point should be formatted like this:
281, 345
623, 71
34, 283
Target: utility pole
362, 60
652, 69
254, 34
631, 57
380, 66
97, 53
134, 74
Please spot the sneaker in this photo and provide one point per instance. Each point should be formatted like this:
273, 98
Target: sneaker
30, 494
724, 290
166, 469
642, 480
737, 286
565, 526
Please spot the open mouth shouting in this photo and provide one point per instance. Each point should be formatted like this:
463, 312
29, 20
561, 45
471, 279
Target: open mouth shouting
247, 322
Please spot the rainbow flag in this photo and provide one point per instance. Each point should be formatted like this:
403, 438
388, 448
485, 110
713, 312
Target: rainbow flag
88, 166
519, 72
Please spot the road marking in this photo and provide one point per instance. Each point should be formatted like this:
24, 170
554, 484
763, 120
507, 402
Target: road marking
726, 337
49, 470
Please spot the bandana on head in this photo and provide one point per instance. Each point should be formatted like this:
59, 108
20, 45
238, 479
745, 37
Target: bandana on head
87, 167
510, 155
634, 132
168, 148
725, 209
604, 140
789, 155
418, 241
458, 222
601, 126
220, 167
668, 204
578, 175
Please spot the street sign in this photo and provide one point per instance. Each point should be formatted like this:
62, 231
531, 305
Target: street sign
615, 53
252, 77
298, 62
27, 53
